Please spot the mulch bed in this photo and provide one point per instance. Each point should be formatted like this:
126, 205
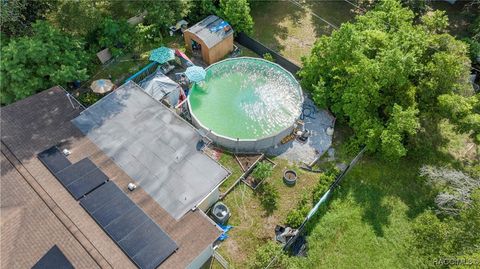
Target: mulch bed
251, 159
246, 161
251, 182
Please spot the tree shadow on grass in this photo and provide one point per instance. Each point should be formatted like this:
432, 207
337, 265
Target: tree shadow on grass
268, 16
334, 12
376, 212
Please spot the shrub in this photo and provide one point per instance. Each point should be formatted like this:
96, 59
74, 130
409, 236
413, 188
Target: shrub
264, 255
324, 182
296, 216
268, 196
262, 171
267, 56
89, 98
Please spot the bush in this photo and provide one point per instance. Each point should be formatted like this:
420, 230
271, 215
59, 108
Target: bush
268, 196
267, 56
265, 254
89, 98
296, 216
262, 171
324, 182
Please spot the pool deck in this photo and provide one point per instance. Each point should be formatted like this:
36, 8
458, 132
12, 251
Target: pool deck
318, 143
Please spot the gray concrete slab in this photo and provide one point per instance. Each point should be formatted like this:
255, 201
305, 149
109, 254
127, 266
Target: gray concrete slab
316, 121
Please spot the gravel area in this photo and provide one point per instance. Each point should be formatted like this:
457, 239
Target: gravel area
316, 121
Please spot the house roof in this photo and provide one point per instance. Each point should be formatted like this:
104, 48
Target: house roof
211, 30
41, 213
154, 146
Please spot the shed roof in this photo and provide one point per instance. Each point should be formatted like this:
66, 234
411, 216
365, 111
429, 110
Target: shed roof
210, 30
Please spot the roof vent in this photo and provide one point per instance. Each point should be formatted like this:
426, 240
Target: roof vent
131, 186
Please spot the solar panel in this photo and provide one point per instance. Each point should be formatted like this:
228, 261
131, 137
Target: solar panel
142, 237
112, 210
75, 171
86, 183
125, 224
133, 231
100, 197
159, 248
54, 258
53, 159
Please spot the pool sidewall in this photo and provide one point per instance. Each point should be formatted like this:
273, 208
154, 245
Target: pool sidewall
247, 145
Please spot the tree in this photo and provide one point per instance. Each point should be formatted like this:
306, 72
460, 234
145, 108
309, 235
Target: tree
463, 111
417, 6
200, 9
451, 236
160, 15
382, 73
456, 188
237, 13
116, 35
78, 17
35, 63
18, 15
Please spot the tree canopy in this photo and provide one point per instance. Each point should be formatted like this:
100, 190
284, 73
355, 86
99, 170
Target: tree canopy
18, 15
237, 13
383, 73
34, 63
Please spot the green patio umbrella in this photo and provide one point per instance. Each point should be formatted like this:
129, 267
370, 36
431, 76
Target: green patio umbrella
162, 55
195, 73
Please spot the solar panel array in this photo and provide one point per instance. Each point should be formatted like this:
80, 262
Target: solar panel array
79, 178
134, 232
54, 258
144, 242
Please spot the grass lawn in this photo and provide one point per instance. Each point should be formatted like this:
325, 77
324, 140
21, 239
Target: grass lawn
368, 222
252, 227
229, 162
292, 30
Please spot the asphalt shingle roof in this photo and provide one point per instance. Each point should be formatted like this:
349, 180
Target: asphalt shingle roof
38, 212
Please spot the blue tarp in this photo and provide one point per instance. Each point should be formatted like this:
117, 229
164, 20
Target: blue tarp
219, 27
225, 229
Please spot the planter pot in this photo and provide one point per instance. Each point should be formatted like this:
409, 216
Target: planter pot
290, 177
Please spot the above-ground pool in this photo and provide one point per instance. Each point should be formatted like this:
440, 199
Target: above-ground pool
246, 104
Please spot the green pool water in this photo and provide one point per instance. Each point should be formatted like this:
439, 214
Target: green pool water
246, 98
